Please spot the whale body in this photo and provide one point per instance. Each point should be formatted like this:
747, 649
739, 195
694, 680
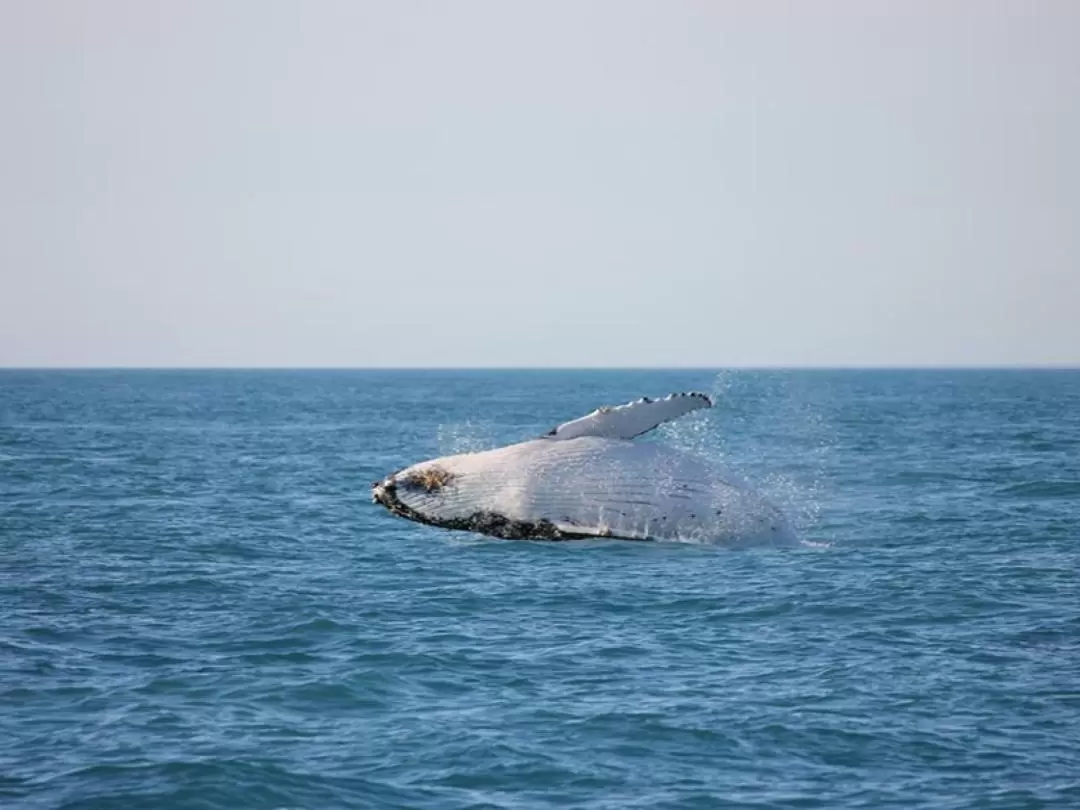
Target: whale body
587, 478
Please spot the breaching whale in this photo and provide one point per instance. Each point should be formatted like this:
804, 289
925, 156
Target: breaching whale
587, 478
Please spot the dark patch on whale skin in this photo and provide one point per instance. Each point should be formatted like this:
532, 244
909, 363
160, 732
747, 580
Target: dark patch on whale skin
496, 525
431, 479
488, 523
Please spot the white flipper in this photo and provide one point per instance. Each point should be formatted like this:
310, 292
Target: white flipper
632, 419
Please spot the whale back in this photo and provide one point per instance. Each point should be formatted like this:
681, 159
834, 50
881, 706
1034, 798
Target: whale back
583, 487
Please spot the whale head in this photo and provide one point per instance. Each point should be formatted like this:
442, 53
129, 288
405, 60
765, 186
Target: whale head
453, 492
418, 492
468, 492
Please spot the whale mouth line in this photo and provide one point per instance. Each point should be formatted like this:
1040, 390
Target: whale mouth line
490, 523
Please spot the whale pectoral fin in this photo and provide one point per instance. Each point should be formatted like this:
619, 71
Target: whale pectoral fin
632, 419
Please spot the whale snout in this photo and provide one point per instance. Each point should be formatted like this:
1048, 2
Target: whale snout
419, 492
382, 492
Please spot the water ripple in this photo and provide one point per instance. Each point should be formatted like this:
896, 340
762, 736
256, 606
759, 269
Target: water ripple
201, 609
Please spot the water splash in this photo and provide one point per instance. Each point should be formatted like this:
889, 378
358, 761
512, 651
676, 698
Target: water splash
789, 467
767, 434
465, 437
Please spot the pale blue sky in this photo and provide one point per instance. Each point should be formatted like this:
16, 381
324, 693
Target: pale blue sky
254, 183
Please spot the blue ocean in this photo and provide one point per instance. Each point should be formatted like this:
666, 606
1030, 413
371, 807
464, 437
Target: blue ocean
200, 607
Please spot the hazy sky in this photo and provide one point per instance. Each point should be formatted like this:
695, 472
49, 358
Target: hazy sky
253, 183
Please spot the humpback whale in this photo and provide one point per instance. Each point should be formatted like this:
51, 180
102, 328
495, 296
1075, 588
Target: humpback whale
587, 478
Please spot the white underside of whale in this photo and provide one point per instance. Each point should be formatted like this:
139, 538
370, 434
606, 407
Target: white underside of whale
594, 486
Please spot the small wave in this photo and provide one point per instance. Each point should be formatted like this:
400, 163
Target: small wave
1042, 489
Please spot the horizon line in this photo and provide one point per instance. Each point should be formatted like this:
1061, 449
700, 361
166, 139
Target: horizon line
673, 368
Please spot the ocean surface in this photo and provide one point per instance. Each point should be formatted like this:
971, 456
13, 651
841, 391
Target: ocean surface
200, 607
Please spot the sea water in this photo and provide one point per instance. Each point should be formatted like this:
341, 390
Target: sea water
201, 608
